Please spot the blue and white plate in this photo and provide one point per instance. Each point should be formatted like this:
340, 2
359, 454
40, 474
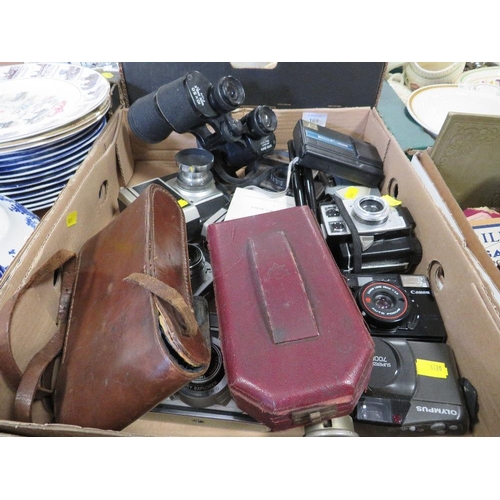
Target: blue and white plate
45, 155
45, 97
33, 173
16, 225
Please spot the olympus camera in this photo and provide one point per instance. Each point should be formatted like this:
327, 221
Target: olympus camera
366, 234
396, 305
414, 389
194, 188
192, 104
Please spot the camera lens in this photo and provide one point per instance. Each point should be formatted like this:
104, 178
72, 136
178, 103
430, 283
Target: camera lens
227, 94
384, 301
194, 169
372, 210
371, 206
383, 304
260, 122
196, 265
211, 388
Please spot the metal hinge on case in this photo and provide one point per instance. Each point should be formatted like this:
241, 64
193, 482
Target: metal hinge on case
316, 416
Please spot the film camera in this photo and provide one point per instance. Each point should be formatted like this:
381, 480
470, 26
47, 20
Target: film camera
192, 104
366, 234
193, 187
396, 305
207, 397
414, 389
200, 270
337, 154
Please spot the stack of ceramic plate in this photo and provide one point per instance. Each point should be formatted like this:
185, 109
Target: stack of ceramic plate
50, 115
16, 225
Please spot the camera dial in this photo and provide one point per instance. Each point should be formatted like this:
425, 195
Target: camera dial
371, 210
383, 304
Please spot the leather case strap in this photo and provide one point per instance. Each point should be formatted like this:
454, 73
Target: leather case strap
8, 365
30, 387
170, 295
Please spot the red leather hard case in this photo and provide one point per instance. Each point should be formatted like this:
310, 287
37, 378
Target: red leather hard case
296, 349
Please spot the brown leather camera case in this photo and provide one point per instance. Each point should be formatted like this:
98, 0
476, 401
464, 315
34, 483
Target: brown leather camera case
128, 333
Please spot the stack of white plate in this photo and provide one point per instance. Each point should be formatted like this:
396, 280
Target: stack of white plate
16, 225
50, 115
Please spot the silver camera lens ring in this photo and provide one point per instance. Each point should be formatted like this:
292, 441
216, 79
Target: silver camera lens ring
370, 209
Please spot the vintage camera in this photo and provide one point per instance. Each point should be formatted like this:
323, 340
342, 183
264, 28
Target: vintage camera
207, 398
337, 154
200, 270
193, 187
396, 305
192, 104
366, 234
414, 389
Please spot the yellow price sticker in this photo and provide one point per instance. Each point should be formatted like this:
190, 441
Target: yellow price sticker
392, 201
428, 368
182, 203
351, 193
71, 219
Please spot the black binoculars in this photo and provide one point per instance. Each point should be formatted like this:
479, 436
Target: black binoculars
192, 104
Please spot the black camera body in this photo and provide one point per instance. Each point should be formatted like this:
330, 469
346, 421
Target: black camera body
366, 234
414, 389
396, 305
192, 104
337, 154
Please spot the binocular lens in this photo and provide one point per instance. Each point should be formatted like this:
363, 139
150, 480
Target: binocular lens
261, 122
228, 94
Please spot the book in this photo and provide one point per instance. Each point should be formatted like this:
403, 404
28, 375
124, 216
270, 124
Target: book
466, 153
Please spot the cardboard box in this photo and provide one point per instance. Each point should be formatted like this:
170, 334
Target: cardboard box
468, 302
